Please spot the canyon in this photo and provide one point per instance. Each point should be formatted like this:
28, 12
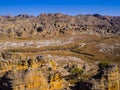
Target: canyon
59, 52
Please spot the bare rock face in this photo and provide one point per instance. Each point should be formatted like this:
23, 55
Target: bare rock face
26, 79
36, 73
30, 74
107, 79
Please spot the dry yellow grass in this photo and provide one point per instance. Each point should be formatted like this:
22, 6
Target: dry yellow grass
89, 52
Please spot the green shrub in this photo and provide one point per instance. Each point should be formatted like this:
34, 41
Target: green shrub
75, 74
76, 71
103, 65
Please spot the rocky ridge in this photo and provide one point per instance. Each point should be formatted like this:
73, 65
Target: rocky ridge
49, 25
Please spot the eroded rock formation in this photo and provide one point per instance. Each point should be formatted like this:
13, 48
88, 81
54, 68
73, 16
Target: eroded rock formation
59, 52
47, 25
107, 79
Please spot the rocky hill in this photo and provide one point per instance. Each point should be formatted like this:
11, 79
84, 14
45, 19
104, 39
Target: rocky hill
48, 25
59, 52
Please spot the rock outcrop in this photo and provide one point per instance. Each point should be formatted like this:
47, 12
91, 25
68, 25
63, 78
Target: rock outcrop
107, 79
19, 72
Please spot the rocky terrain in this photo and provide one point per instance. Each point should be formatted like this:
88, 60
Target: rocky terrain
59, 52
49, 25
